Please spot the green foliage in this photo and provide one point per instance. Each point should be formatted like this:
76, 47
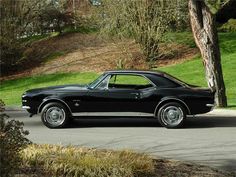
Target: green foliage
12, 141
80, 29
31, 39
229, 26
216, 5
74, 161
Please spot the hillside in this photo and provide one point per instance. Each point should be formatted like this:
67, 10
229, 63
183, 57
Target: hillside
82, 65
79, 52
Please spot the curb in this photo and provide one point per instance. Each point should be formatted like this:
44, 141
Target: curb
13, 108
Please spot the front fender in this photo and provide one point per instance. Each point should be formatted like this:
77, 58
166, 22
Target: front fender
52, 99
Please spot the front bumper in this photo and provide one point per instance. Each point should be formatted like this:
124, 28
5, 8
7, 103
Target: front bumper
26, 107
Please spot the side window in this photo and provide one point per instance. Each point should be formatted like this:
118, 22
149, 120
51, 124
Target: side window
129, 81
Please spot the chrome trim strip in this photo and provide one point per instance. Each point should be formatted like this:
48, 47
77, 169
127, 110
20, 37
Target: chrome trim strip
113, 114
25, 107
210, 105
189, 112
53, 99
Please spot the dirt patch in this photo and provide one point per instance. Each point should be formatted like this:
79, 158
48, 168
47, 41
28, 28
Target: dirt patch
170, 168
166, 168
175, 53
89, 53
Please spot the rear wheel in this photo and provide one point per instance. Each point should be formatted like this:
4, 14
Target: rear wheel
55, 115
171, 115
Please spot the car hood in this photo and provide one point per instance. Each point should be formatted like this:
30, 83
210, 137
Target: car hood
59, 88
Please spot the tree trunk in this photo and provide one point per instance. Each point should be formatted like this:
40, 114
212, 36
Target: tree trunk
205, 35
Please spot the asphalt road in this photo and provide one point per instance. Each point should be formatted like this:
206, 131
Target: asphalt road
206, 139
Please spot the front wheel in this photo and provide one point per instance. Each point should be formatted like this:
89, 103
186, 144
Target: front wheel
171, 115
55, 115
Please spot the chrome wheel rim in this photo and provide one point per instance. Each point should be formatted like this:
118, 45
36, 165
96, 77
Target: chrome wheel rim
55, 116
172, 115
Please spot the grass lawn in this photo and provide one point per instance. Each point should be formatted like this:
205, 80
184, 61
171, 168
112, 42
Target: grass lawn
193, 71
190, 71
12, 90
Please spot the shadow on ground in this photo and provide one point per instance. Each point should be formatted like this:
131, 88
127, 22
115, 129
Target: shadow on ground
229, 165
202, 121
197, 122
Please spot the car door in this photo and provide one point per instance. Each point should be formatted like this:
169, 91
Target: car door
123, 100
121, 93
107, 99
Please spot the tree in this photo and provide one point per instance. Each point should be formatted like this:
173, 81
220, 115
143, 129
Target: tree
144, 20
25, 18
204, 30
54, 17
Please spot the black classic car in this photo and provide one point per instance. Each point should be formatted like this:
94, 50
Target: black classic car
120, 93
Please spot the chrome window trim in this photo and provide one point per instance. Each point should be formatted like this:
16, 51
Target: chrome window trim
135, 74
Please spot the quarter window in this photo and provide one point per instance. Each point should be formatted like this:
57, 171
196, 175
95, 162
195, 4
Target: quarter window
104, 83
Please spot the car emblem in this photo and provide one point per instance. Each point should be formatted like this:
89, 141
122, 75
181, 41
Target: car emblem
76, 104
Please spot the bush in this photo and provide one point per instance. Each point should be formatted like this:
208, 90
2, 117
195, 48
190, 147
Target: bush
74, 161
229, 26
54, 18
10, 53
12, 141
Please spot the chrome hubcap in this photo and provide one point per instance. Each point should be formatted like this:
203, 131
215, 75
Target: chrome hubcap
55, 116
172, 115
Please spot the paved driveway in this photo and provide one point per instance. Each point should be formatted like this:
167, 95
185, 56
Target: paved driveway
207, 139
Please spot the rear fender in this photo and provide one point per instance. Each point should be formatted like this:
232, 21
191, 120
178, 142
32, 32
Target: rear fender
172, 99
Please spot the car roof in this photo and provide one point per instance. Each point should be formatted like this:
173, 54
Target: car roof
149, 74
135, 72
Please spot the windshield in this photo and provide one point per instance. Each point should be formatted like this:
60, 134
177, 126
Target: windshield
96, 81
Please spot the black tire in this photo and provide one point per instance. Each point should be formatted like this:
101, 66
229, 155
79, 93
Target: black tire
55, 115
171, 115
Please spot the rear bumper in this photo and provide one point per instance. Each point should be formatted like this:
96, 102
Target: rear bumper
211, 106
